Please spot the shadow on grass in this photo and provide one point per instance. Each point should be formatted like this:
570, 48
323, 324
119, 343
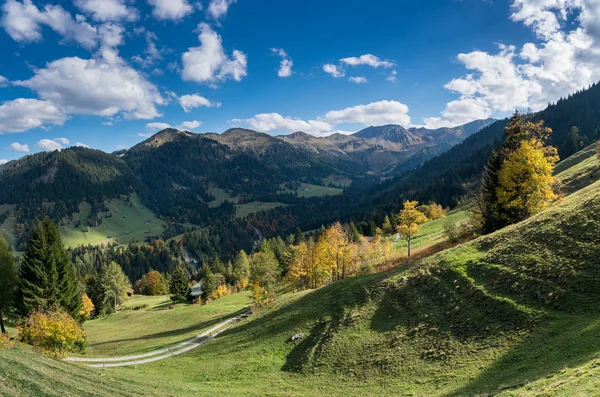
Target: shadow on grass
566, 341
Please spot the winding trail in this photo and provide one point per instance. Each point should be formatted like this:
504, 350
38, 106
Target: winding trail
161, 354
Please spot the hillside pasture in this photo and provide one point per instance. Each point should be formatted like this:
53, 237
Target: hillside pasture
243, 210
307, 190
124, 219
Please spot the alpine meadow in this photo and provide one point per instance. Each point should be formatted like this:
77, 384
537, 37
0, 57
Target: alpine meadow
316, 198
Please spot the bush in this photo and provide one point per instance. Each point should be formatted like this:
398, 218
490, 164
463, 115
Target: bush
6, 342
54, 333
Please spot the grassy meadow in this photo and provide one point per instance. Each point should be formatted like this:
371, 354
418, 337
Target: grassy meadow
124, 219
156, 323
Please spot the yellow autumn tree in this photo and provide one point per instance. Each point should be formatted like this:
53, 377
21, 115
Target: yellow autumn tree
526, 184
336, 251
87, 307
409, 222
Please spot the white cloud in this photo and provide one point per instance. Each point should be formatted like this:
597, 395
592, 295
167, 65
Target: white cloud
218, 8
358, 80
107, 10
209, 63
333, 70
23, 114
376, 113
393, 77
566, 59
48, 145
189, 125
63, 141
3, 161
107, 123
189, 102
19, 147
23, 22
102, 87
79, 144
369, 60
145, 134
286, 64
3, 81
157, 126
269, 122
111, 35
152, 53
171, 9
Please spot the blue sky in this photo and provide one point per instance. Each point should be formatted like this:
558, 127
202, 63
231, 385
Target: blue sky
107, 73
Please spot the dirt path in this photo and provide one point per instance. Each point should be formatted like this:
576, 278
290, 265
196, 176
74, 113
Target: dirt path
161, 354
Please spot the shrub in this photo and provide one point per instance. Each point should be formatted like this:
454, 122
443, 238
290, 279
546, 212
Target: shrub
6, 342
54, 333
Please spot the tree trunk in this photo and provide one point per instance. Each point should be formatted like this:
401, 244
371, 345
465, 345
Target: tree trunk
408, 240
2, 329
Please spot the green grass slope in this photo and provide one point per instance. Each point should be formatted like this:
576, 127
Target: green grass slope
124, 219
156, 325
492, 316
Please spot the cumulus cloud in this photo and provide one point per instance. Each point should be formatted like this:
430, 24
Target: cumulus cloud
333, 70
103, 87
107, 10
208, 63
286, 64
377, 113
393, 77
63, 141
79, 144
3, 81
565, 59
157, 126
3, 161
189, 125
358, 80
23, 22
19, 147
367, 59
48, 145
189, 102
217, 9
171, 9
23, 114
269, 122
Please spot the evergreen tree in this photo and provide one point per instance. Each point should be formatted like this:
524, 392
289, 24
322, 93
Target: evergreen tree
68, 282
241, 269
208, 284
38, 276
179, 286
115, 284
8, 281
298, 236
387, 226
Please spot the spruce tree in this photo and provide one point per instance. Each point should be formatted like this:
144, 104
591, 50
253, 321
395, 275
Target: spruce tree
68, 280
38, 276
179, 286
48, 279
208, 284
8, 281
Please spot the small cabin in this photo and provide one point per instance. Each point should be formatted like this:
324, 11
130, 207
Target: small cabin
130, 292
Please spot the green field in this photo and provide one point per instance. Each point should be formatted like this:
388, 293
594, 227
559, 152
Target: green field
220, 197
156, 326
307, 190
432, 232
124, 219
243, 210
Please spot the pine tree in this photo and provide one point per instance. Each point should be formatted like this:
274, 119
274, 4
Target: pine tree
38, 276
208, 284
387, 226
179, 286
68, 282
241, 269
8, 281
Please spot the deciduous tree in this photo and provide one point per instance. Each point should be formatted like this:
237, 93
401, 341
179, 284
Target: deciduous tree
409, 222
